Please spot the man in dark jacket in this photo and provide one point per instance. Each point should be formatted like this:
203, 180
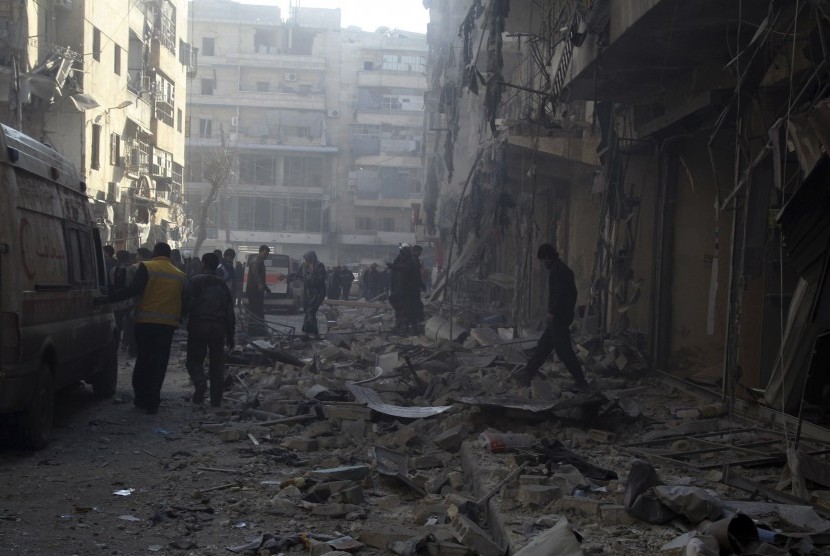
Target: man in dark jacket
255, 291
405, 279
314, 291
346, 278
211, 326
557, 335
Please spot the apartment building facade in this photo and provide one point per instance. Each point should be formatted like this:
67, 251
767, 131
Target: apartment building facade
321, 127
105, 87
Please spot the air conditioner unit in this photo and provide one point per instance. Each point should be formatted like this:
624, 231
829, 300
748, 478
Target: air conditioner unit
234, 121
334, 113
290, 76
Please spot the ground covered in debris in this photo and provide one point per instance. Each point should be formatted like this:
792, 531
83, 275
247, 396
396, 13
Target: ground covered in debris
372, 443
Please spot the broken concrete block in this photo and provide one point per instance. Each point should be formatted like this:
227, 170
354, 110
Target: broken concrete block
346, 473
559, 540
356, 430
380, 536
316, 548
603, 437
353, 495
588, 506
390, 503
456, 479
474, 537
283, 506
615, 514
538, 495
532, 479
426, 461
451, 439
405, 436
317, 428
423, 512
347, 413
301, 444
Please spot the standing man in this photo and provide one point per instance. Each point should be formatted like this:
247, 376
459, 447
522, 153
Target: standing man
157, 316
314, 291
405, 277
211, 326
333, 283
346, 278
227, 273
557, 334
109, 259
120, 277
255, 290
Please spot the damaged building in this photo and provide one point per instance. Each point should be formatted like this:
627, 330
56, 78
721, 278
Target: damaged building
105, 86
676, 154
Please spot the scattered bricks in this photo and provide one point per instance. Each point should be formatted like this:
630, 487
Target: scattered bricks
317, 428
301, 444
615, 514
333, 510
405, 436
433, 485
356, 430
451, 439
604, 437
357, 514
348, 473
389, 503
321, 492
538, 495
347, 413
353, 495
587, 506
474, 537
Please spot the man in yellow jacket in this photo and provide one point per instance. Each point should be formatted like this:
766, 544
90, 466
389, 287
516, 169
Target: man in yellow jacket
157, 316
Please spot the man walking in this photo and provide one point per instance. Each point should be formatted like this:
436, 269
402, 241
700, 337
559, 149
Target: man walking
314, 291
255, 290
557, 335
157, 316
346, 278
211, 326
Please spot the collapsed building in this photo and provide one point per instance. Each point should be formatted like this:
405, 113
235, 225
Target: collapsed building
675, 154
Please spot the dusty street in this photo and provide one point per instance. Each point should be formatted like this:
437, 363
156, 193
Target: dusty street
436, 451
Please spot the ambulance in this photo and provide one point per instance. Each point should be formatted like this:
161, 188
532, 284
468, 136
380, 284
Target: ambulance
52, 332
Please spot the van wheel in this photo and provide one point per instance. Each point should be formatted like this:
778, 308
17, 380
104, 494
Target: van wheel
105, 379
35, 425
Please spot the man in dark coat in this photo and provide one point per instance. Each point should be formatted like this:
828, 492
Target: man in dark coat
557, 335
314, 291
333, 283
404, 279
211, 326
346, 279
255, 291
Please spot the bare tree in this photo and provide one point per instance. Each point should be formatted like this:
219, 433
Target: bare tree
217, 172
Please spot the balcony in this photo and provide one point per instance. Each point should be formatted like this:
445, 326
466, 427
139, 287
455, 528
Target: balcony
376, 238
392, 79
276, 101
254, 238
267, 60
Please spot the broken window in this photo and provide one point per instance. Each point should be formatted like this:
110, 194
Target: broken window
257, 169
403, 63
205, 127
165, 99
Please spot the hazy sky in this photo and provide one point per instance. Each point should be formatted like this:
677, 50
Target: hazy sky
406, 15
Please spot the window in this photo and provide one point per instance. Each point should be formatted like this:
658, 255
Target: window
95, 148
262, 86
115, 149
387, 224
303, 172
117, 60
168, 26
277, 214
368, 65
81, 261
179, 120
96, 44
363, 224
205, 127
207, 86
257, 169
208, 44
403, 63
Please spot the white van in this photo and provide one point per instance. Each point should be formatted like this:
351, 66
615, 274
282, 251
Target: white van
282, 275
51, 271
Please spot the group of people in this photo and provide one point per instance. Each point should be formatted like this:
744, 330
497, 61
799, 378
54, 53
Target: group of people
154, 294
339, 283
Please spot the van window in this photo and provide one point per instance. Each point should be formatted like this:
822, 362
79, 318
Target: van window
81, 261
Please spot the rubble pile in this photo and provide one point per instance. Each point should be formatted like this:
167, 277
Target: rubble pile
411, 445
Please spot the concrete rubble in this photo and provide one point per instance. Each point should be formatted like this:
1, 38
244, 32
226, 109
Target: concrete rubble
409, 445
